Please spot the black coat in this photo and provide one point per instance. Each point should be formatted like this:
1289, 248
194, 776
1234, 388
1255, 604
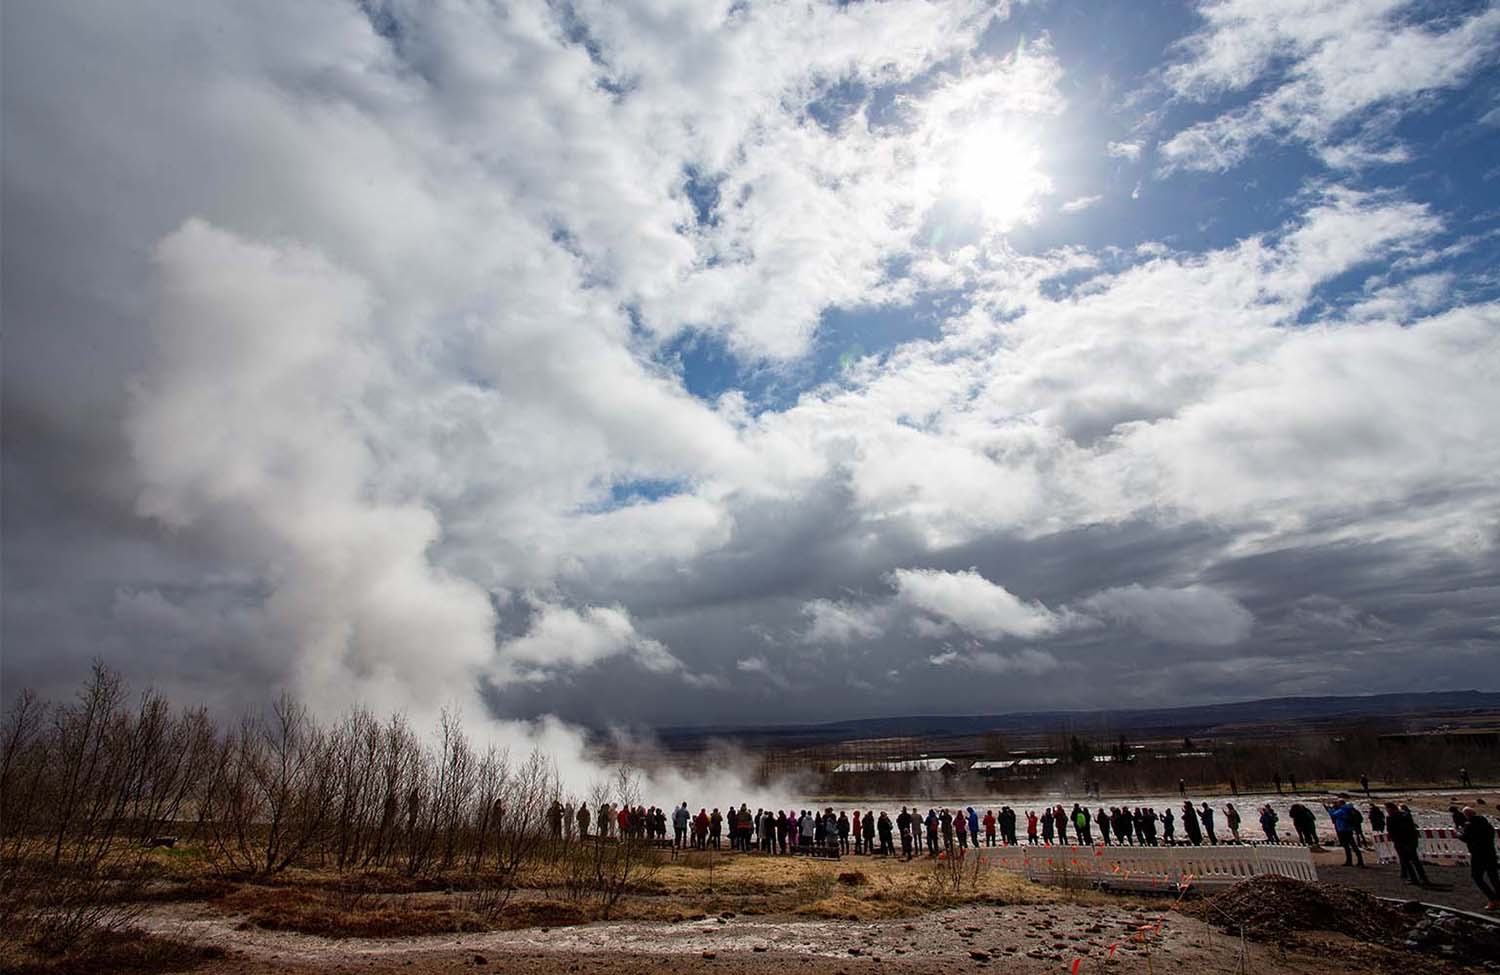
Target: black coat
1479, 837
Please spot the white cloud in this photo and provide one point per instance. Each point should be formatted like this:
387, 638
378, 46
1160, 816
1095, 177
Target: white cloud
1079, 204
1029, 662
1194, 615
562, 639
971, 602
410, 361
1330, 64
761, 667
842, 622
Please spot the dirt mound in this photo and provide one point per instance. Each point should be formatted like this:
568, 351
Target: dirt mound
1269, 908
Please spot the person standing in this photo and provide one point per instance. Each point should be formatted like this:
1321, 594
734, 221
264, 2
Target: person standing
961, 829
583, 820
1277, 779
1207, 815
843, 833
869, 829
883, 830
1339, 813
989, 827
903, 826
1031, 827
1464, 780
1301, 823
1268, 820
1484, 866
1061, 821
1102, 818
1168, 827
1190, 824
1401, 830
1047, 827
1232, 820
859, 833
1364, 783
1377, 818
1082, 826
680, 819
1357, 823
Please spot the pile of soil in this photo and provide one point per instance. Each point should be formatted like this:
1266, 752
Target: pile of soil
1270, 908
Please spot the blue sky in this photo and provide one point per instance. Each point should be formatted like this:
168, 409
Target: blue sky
1114, 55
619, 360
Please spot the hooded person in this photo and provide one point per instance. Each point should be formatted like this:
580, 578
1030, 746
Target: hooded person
1190, 825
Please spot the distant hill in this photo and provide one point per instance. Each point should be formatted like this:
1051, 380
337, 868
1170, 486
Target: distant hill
1197, 719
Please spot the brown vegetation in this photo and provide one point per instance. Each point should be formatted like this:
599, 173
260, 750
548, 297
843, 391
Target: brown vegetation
108, 805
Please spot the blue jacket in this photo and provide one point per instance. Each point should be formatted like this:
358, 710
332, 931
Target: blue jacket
1340, 817
973, 822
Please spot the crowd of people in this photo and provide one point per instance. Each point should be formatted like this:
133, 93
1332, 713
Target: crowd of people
936, 831
948, 831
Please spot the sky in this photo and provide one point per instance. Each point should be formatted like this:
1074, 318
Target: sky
673, 362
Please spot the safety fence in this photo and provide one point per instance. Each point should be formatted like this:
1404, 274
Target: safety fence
1443, 846
1152, 867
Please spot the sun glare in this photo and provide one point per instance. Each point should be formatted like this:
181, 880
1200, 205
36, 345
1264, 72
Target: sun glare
999, 174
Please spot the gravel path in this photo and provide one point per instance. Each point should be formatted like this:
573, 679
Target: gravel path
1020, 939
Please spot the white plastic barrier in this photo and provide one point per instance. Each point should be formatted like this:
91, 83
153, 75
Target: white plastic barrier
1153, 867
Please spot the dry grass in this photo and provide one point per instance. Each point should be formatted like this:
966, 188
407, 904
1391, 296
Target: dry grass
337, 914
120, 953
681, 891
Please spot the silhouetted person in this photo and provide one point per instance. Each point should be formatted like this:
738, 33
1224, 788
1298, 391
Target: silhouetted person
1484, 867
1401, 830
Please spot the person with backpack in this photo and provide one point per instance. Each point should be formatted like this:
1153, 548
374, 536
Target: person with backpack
1232, 820
1343, 828
1268, 819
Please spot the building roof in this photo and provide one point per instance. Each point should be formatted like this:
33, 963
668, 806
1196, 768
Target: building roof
905, 765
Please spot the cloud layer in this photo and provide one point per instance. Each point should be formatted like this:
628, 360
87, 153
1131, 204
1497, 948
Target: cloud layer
625, 361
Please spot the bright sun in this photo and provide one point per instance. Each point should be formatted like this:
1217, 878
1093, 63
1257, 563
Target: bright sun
998, 172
